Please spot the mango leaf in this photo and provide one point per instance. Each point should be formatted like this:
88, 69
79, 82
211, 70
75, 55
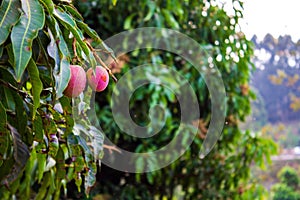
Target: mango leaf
51, 131
41, 165
90, 32
24, 188
9, 15
152, 6
7, 99
24, 32
4, 137
96, 138
170, 19
70, 24
9, 51
1, 51
21, 116
60, 165
45, 183
77, 159
66, 105
60, 171
49, 5
73, 11
38, 129
60, 54
127, 23
20, 154
21, 151
90, 177
7, 76
114, 2
37, 85
97, 142
5, 169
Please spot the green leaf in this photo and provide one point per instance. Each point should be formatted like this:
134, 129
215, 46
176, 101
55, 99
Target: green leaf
73, 11
24, 188
90, 177
92, 33
7, 76
127, 23
8, 100
24, 32
21, 120
114, 2
3, 120
9, 15
21, 151
4, 137
37, 85
45, 183
38, 129
60, 165
41, 165
170, 19
70, 24
60, 171
1, 51
49, 5
152, 6
60, 54
97, 142
21, 155
9, 51
50, 128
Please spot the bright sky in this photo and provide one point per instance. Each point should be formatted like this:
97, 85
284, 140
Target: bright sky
278, 17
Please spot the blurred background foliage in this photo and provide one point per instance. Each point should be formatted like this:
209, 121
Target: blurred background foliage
225, 172
288, 187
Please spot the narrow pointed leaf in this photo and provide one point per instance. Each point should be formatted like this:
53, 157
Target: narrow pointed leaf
37, 85
24, 32
38, 129
114, 2
1, 51
21, 115
59, 52
49, 5
70, 24
9, 15
97, 142
90, 32
21, 155
4, 137
60, 165
73, 11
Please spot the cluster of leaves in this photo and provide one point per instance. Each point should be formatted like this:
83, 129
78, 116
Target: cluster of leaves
288, 186
43, 145
225, 171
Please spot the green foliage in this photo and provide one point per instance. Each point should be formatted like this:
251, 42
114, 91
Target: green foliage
41, 146
224, 173
289, 176
284, 192
288, 186
44, 145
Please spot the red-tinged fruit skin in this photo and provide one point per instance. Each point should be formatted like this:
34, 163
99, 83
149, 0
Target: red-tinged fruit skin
77, 81
98, 79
